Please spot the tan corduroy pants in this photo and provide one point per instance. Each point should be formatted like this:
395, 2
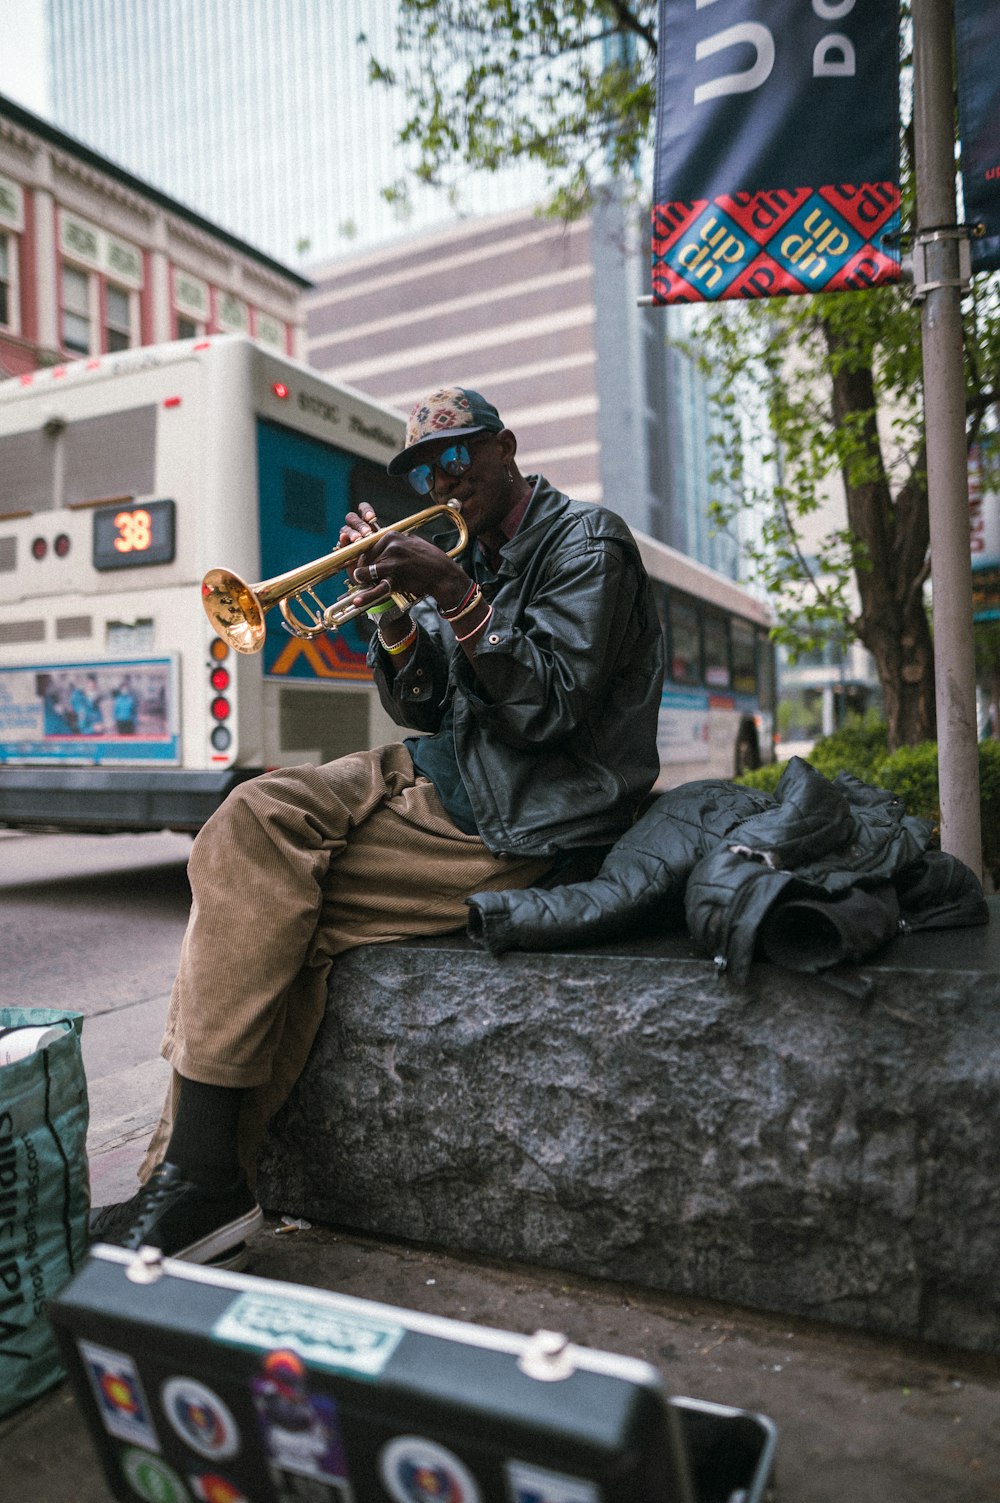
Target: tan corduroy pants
297, 866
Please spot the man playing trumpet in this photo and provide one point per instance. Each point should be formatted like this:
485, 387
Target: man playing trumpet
532, 666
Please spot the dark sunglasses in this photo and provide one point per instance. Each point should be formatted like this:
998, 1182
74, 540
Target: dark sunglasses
454, 460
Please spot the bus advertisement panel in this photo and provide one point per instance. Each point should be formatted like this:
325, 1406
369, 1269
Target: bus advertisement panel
107, 711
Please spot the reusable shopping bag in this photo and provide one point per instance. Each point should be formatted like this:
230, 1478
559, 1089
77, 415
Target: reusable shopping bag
44, 1190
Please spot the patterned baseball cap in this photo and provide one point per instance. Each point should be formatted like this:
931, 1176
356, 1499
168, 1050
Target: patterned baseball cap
452, 412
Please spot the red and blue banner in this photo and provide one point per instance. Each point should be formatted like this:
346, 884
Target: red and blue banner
777, 148
976, 26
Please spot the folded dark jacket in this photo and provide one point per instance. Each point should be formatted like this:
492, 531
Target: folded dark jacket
640, 885
820, 874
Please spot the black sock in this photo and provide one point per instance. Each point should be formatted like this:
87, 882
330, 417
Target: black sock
204, 1138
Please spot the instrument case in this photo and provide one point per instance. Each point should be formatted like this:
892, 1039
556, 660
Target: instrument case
198, 1384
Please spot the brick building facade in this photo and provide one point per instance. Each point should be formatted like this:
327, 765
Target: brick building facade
93, 260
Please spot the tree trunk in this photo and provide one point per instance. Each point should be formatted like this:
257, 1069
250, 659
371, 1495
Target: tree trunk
895, 533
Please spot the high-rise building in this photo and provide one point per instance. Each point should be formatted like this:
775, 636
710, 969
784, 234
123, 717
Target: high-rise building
257, 113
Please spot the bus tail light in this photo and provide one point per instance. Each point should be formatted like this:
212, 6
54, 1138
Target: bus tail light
221, 702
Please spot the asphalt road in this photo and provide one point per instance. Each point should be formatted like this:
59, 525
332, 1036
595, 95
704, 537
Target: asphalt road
90, 922
93, 924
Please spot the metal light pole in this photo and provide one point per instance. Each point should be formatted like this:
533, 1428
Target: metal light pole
940, 267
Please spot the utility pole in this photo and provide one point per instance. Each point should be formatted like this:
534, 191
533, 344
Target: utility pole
940, 273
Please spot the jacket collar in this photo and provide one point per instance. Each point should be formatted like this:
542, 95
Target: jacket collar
544, 506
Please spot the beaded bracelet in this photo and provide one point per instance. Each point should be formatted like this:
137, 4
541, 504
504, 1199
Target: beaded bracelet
397, 647
469, 635
473, 605
466, 603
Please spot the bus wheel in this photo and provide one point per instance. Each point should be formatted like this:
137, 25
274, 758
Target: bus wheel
747, 750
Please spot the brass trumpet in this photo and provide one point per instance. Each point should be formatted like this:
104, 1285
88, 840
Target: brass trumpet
236, 609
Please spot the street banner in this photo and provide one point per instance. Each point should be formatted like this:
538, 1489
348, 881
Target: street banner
777, 148
976, 24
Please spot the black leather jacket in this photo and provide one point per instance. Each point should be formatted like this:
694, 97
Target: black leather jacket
818, 875
555, 730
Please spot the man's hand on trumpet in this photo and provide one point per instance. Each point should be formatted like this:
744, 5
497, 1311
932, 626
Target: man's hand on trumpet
401, 563
404, 565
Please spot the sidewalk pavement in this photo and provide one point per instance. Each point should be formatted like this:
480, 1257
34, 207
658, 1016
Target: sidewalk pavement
860, 1419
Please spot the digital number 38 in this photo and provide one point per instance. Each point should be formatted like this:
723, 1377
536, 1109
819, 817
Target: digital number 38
135, 531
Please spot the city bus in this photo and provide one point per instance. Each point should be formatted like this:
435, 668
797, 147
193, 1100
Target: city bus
717, 709
124, 479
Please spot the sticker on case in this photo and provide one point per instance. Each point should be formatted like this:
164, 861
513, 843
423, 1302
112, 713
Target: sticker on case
301, 1429
152, 1479
295, 1487
342, 1341
416, 1470
535, 1484
212, 1487
200, 1418
118, 1391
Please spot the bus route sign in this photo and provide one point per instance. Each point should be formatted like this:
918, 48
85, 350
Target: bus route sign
130, 535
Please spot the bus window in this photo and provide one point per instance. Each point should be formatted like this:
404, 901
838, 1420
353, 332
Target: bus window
390, 495
744, 639
716, 651
111, 455
685, 640
27, 470
102, 457
765, 671
303, 501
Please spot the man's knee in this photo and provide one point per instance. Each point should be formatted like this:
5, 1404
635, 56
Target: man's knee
270, 799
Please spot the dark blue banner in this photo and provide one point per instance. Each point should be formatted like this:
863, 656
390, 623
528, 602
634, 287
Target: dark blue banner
976, 29
777, 148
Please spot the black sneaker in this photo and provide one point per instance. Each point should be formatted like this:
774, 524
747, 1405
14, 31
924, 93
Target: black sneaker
182, 1219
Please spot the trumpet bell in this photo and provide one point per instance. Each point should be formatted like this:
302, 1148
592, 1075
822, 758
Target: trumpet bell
234, 610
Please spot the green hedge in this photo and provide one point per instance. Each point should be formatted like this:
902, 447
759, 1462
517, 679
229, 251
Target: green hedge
859, 746
911, 773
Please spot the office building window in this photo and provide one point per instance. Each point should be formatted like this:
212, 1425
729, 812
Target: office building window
98, 316
117, 318
76, 316
8, 282
192, 300
187, 328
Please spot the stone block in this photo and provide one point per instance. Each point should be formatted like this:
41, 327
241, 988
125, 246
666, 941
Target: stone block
626, 1112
